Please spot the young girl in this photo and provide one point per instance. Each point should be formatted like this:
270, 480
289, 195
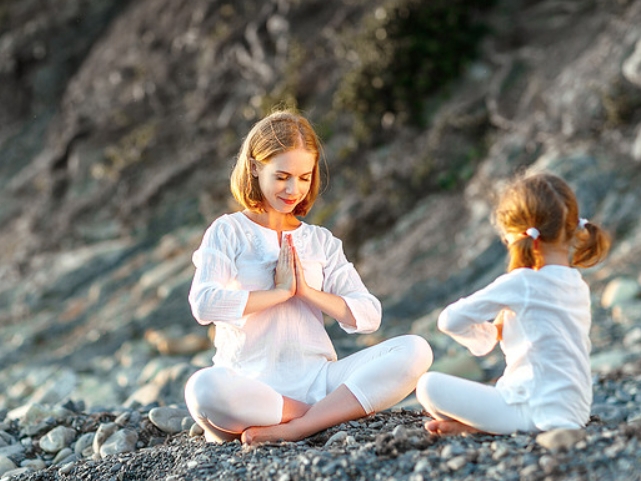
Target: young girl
265, 279
541, 312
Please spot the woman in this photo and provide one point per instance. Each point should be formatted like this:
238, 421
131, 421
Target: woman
265, 279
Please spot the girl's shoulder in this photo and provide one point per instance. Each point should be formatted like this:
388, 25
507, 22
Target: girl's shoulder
550, 270
515, 279
548, 275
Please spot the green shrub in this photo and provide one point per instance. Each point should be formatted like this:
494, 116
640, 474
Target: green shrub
405, 51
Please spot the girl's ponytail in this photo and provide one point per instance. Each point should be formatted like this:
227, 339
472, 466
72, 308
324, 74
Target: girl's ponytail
522, 254
591, 245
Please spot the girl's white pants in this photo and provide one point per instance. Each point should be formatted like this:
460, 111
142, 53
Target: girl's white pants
481, 406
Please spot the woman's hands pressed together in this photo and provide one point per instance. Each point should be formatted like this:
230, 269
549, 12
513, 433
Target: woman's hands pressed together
289, 281
285, 275
285, 282
331, 304
290, 275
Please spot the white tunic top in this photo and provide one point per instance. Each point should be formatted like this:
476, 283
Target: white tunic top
545, 340
287, 345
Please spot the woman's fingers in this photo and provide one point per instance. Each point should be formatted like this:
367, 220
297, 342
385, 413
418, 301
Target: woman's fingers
301, 284
285, 277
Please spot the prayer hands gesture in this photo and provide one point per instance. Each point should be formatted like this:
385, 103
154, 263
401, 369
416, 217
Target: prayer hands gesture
289, 275
289, 280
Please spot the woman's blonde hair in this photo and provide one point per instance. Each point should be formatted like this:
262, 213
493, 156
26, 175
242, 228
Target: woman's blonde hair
547, 202
275, 134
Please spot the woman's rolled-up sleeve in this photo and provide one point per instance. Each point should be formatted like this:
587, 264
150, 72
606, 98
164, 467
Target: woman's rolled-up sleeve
214, 295
342, 279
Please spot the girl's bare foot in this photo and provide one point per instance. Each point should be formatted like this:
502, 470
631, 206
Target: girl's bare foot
449, 428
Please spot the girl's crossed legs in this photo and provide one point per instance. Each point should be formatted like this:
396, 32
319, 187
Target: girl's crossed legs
227, 405
460, 405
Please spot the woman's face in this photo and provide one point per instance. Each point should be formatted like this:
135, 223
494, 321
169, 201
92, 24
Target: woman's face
285, 180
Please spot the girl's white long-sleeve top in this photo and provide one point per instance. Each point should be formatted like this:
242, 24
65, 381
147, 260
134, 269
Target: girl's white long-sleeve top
286, 345
546, 340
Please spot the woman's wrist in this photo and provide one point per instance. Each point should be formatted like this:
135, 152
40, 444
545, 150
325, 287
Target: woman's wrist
283, 293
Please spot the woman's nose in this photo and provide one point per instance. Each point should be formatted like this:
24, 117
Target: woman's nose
291, 186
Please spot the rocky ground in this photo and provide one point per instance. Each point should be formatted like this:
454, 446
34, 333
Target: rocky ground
387, 446
69, 440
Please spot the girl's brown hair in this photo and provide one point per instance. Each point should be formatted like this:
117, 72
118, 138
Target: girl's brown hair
277, 133
547, 202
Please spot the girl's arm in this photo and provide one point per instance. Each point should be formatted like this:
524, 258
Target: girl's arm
466, 320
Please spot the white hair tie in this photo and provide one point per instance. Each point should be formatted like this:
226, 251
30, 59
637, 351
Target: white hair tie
533, 232
582, 223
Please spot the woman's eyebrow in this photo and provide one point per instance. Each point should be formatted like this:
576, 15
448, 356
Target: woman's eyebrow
289, 173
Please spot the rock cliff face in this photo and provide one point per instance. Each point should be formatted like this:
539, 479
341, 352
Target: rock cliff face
119, 122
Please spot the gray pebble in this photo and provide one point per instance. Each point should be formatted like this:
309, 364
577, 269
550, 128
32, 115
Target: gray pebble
560, 438
168, 419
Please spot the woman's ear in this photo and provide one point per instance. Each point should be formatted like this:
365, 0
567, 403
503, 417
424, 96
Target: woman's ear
253, 167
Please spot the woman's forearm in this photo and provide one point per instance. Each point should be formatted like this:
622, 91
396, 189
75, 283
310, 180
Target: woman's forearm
332, 305
261, 300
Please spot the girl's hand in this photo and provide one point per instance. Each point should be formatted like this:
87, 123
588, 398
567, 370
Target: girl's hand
498, 323
285, 275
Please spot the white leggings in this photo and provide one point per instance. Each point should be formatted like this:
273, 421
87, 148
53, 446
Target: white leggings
447, 397
379, 376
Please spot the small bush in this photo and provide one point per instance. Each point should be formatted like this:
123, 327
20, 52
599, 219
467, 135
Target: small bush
405, 51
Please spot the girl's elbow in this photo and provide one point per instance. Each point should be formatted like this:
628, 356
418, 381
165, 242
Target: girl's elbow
443, 322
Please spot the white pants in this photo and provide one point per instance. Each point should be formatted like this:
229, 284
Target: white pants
379, 376
447, 397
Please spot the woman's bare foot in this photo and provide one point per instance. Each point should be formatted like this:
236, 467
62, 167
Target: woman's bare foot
449, 428
337, 407
220, 437
265, 434
293, 409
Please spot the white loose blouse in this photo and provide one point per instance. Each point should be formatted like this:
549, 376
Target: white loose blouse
546, 340
287, 345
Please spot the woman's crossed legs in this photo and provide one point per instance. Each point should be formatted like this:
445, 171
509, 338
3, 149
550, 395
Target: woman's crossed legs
228, 405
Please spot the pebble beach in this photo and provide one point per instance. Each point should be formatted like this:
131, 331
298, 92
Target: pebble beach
150, 443
73, 440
